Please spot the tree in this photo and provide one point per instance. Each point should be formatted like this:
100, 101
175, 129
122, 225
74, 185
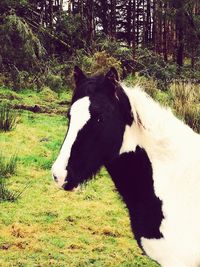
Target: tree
17, 42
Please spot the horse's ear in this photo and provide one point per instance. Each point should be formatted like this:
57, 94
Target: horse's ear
112, 75
79, 76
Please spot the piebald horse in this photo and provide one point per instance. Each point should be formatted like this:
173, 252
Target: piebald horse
152, 157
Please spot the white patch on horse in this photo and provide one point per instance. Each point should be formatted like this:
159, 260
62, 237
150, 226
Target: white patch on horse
129, 140
80, 115
173, 149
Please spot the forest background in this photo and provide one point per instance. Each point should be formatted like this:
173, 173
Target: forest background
159, 39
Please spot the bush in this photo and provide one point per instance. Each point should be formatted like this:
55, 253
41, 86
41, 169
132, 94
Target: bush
54, 82
48, 95
8, 118
17, 42
98, 63
103, 62
152, 65
116, 49
72, 29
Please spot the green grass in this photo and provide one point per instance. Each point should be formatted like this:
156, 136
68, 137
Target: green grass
51, 227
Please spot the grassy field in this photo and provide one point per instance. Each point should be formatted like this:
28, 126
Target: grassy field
47, 226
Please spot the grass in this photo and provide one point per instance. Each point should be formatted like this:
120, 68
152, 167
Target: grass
51, 227
186, 103
7, 168
8, 118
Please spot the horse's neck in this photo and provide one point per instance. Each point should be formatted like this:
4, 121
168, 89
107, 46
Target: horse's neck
155, 128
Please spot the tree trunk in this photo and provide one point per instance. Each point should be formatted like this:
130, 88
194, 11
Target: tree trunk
165, 32
133, 31
180, 37
104, 16
51, 15
113, 19
129, 22
90, 21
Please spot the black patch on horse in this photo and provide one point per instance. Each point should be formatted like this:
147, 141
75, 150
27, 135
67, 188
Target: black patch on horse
132, 175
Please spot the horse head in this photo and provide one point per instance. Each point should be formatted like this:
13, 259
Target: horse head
98, 115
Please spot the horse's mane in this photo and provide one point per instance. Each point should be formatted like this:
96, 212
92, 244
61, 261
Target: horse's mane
149, 114
158, 125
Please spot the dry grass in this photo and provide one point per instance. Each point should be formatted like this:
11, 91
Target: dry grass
186, 103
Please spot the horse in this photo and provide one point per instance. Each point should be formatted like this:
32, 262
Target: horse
151, 156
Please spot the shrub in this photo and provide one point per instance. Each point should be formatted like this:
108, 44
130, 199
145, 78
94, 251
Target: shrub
153, 66
17, 42
116, 49
54, 82
98, 63
48, 95
103, 62
8, 118
72, 29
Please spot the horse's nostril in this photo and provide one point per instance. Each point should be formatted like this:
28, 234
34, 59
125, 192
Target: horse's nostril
55, 178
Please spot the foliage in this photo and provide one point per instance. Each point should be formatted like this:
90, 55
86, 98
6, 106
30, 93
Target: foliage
120, 52
153, 66
72, 30
8, 118
54, 82
98, 63
17, 42
7, 5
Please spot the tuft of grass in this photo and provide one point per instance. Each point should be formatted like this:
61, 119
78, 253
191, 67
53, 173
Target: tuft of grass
8, 118
8, 166
186, 103
5, 194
